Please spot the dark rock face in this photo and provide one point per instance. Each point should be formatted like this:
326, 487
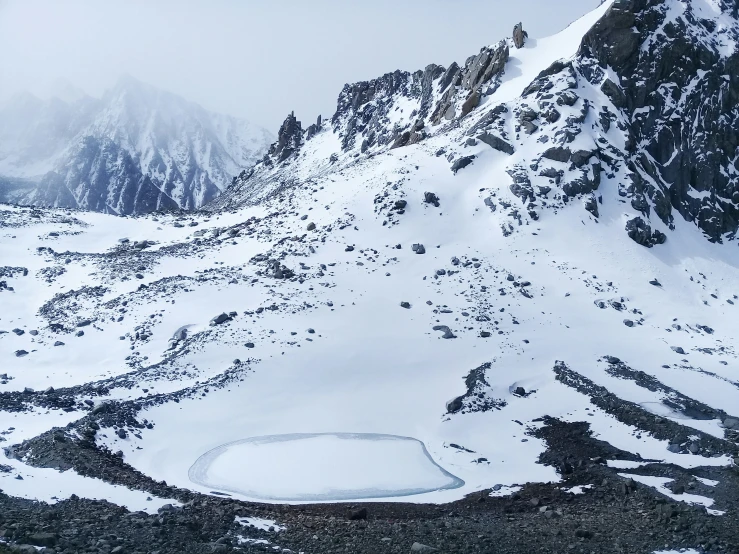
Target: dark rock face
412, 136
432, 96
478, 396
431, 198
681, 76
363, 108
479, 70
461, 163
519, 35
496, 143
103, 177
641, 233
289, 139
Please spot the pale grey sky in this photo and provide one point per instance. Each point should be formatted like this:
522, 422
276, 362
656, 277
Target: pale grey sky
257, 59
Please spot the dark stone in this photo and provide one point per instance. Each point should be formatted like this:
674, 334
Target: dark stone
431, 198
591, 204
359, 514
614, 93
558, 154
496, 143
221, 318
461, 163
42, 539
471, 103
289, 139
446, 330
641, 233
519, 35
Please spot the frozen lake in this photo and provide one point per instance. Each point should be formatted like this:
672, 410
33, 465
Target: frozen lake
321, 467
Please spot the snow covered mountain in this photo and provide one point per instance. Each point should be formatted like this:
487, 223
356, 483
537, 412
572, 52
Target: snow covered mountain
512, 280
136, 150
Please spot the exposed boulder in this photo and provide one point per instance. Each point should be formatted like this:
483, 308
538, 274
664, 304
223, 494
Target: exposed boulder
471, 103
221, 318
461, 163
412, 136
447, 332
313, 129
496, 143
591, 204
641, 233
431, 198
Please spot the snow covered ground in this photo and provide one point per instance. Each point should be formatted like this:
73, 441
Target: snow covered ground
332, 352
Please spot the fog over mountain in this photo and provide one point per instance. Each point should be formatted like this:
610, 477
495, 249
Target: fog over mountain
252, 59
134, 150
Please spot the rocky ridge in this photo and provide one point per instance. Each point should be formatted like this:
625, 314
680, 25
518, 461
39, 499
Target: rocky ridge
649, 103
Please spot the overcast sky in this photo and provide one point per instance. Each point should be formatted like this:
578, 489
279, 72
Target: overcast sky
257, 59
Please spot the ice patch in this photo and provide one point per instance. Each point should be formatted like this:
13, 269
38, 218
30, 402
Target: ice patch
322, 466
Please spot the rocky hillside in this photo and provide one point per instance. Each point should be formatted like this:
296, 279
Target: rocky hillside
649, 102
136, 150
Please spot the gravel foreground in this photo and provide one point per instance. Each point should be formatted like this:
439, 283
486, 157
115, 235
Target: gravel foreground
614, 515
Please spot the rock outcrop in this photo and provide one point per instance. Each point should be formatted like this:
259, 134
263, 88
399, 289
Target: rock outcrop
519, 35
648, 106
289, 139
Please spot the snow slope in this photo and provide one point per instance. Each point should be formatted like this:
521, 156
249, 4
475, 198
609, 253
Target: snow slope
510, 318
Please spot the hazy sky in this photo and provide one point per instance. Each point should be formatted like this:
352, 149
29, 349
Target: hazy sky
257, 59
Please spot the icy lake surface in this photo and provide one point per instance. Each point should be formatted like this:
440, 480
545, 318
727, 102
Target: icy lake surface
322, 466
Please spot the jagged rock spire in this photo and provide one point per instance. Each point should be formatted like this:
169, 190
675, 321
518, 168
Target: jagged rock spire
519, 35
289, 138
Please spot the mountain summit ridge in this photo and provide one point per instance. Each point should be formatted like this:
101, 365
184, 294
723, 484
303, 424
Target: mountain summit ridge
136, 149
624, 82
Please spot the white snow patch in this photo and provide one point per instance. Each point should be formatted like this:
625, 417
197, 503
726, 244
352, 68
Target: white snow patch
659, 484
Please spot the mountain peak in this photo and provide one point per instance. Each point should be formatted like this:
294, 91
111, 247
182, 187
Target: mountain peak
65, 91
135, 136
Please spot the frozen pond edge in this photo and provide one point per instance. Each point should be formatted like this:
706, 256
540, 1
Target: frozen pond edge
198, 472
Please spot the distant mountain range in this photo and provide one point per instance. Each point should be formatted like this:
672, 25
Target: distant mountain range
135, 150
